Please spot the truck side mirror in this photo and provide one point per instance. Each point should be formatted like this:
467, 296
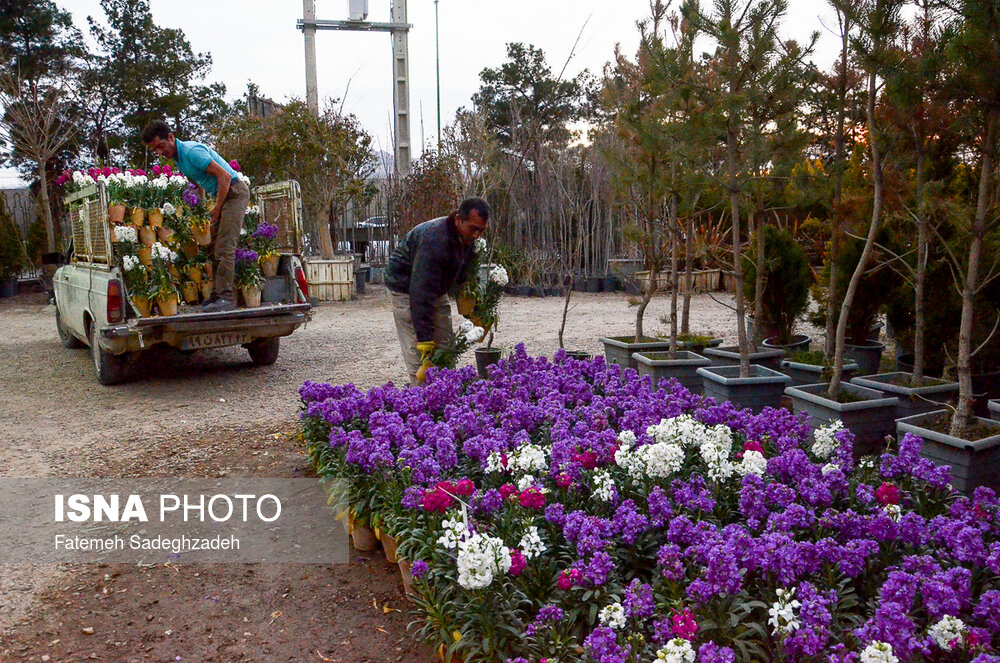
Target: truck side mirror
53, 259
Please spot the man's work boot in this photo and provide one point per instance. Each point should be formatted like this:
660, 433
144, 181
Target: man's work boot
218, 305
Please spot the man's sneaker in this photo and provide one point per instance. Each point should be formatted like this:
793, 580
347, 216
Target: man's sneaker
219, 305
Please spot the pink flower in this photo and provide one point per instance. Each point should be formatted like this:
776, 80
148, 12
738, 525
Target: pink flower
568, 578
684, 625
532, 498
518, 562
563, 480
753, 445
235, 165
437, 500
887, 494
588, 459
465, 487
106, 171
507, 490
156, 170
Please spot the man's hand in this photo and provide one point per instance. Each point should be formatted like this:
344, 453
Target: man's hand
426, 349
216, 213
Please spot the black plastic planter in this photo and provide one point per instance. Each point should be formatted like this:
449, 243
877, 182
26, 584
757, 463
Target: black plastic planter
868, 356
484, 358
798, 342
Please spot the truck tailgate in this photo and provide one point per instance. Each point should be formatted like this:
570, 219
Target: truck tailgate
221, 319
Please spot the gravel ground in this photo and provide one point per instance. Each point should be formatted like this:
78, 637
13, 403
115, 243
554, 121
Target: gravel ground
58, 420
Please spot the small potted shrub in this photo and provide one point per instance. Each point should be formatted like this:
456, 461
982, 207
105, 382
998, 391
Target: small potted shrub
785, 294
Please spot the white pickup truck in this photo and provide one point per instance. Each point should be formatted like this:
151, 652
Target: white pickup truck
93, 307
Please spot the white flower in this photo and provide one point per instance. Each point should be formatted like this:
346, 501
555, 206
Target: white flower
498, 275
878, 652
528, 458
480, 559
613, 616
525, 482
604, 486
830, 468
169, 209
163, 253
893, 511
125, 234
716, 445
753, 463
130, 262
661, 460
825, 444
626, 438
254, 209
468, 330
948, 632
480, 245
782, 612
677, 650
454, 532
531, 544
494, 463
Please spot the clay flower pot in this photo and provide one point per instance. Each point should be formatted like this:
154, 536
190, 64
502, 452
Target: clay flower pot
165, 234
269, 266
207, 286
138, 216
251, 297
142, 306
116, 214
209, 269
202, 234
466, 305
190, 250
145, 254
155, 217
389, 547
167, 305
189, 290
147, 236
194, 274
174, 272
363, 538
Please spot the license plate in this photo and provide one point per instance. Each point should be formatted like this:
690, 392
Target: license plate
214, 340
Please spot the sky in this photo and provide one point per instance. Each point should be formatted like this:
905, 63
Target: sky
256, 40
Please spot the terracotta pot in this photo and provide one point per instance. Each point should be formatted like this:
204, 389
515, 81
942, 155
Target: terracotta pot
209, 269
270, 266
190, 250
202, 235
174, 272
116, 214
206, 288
147, 236
466, 305
165, 234
405, 574
190, 292
389, 547
168, 305
142, 306
138, 216
155, 217
251, 297
363, 538
194, 274
145, 254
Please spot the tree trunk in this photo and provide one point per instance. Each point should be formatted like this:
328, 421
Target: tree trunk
919, 322
43, 202
758, 288
734, 204
653, 283
688, 275
963, 412
845, 307
831, 341
673, 276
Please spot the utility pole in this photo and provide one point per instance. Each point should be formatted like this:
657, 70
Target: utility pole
399, 29
437, 68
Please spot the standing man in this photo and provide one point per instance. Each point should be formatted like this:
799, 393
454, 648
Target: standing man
431, 260
207, 169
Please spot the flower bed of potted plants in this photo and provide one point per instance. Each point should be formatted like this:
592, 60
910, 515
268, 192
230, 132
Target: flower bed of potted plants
914, 398
683, 368
974, 458
568, 511
868, 413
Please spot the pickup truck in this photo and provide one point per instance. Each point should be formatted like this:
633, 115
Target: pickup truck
93, 307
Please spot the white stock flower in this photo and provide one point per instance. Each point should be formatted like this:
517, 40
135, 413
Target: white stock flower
531, 544
782, 612
830, 468
480, 245
604, 486
528, 458
130, 262
626, 438
163, 253
613, 616
468, 330
825, 444
716, 445
661, 460
878, 652
948, 632
480, 559
753, 463
893, 511
454, 532
498, 275
525, 482
494, 463
677, 650
125, 234
169, 209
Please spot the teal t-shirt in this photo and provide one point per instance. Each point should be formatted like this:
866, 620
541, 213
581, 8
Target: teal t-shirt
193, 159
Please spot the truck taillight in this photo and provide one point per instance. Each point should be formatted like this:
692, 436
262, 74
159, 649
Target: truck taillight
300, 278
116, 308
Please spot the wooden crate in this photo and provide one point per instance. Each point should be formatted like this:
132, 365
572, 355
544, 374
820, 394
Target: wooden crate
331, 280
704, 280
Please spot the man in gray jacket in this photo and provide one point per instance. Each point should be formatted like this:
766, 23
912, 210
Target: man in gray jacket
431, 261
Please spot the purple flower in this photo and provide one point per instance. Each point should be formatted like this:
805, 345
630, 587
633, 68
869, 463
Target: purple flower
246, 255
713, 653
639, 602
602, 646
265, 230
191, 196
418, 569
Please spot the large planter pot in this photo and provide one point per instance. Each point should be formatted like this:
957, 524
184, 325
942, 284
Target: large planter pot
167, 305
698, 347
811, 373
870, 418
798, 342
116, 213
609, 283
389, 547
994, 408
619, 349
868, 356
363, 537
594, 284
155, 217
485, 357
189, 291
912, 400
730, 355
973, 463
269, 266
763, 388
8, 287
985, 386
683, 368
251, 297
904, 363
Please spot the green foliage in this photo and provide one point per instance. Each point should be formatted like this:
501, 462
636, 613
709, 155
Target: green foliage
432, 189
12, 259
37, 242
787, 277
37, 39
248, 274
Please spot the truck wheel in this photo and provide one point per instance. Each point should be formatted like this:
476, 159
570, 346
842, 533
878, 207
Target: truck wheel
111, 369
264, 352
65, 336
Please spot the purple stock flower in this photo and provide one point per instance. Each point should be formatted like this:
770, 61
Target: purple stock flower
265, 231
418, 569
602, 646
639, 602
246, 255
713, 653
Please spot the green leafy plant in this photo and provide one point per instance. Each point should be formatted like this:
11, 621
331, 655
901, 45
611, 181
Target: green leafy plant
12, 258
787, 277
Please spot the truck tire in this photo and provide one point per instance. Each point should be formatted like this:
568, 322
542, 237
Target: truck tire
264, 352
111, 369
65, 336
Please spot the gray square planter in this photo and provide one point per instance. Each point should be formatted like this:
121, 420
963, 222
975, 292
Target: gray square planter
698, 347
912, 400
763, 388
684, 368
730, 355
619, 349
868, 356
870, 419
995, 410
973, 464
802, 374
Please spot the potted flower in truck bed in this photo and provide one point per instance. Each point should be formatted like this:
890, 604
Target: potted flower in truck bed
248, 278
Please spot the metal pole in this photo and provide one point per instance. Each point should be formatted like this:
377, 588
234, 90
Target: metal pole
437, 66
401, 88
312, 88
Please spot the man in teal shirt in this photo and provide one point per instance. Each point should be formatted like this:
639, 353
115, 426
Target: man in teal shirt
207, 169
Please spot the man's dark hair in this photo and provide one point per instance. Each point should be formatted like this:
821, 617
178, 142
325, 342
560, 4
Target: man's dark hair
477, 205
155, 129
